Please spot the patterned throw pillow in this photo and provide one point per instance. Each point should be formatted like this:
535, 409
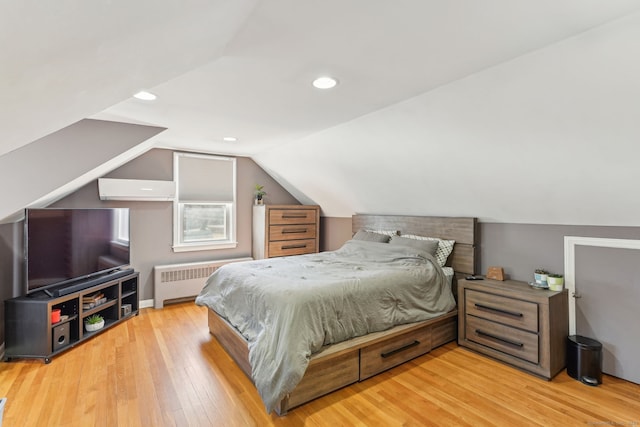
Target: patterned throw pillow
445, 247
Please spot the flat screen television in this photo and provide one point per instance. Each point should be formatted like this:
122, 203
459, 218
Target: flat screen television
63, 246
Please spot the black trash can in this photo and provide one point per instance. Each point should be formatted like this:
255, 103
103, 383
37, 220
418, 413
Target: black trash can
584, 359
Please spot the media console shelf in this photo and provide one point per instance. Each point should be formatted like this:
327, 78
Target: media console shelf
29, 332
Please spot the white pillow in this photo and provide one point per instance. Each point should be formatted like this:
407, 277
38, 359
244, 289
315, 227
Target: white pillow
445, 247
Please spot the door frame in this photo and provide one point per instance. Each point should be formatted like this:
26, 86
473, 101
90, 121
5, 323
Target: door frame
570, 243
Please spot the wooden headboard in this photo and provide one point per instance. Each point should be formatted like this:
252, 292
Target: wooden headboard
461, 229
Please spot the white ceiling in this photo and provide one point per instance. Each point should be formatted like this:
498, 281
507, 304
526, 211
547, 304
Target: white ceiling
63, 61
244, 69
382, 52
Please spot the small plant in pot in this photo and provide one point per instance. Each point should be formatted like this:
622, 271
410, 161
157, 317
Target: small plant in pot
541, 275
259, 193
93, 323
555, 281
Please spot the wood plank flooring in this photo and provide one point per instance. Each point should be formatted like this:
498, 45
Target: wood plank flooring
162, 368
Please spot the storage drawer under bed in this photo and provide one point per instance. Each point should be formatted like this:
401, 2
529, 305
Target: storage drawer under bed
325, 376
394, 351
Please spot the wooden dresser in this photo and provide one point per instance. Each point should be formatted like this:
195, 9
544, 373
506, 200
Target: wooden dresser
283, 230
512, 322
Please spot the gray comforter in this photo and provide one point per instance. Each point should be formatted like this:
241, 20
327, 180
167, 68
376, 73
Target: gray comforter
289, 308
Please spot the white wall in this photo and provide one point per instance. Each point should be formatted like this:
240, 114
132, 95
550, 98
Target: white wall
548, 138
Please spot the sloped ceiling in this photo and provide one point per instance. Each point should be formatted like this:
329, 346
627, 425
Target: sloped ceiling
48, 169
512, 111
549, 137
63, 61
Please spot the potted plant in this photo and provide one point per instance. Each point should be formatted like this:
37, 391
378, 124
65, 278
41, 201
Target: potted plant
555, 281
541, 276
93, 323
259, 193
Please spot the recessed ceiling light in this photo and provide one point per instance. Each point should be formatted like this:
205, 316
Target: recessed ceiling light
324, 82
145, 96
230, 139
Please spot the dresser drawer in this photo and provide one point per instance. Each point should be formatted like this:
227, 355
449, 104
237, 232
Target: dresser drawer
505, 310
292, 216
292, 232
394, 351
292, 247
515, 342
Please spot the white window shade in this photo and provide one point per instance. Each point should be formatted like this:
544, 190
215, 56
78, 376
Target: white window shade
206, 179
205, 204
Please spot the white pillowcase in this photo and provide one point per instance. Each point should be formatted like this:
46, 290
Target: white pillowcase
445, 247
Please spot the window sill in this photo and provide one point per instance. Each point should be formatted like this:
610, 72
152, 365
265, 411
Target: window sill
205, 247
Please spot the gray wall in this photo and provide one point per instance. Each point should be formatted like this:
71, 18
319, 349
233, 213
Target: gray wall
518, 248
521, 248
151, 223
44, 168
10, 266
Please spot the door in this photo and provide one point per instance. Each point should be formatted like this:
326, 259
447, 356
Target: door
607, 306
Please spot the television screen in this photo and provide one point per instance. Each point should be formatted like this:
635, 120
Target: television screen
64, 245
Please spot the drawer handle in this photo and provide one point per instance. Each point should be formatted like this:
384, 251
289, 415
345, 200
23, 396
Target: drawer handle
292, 216
398, 350
298, 231
502, 340
294, 246
498, 310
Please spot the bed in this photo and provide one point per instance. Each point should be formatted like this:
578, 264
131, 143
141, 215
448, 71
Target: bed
343, 361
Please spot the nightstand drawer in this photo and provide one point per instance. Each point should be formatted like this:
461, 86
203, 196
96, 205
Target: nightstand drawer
521, 344
292, 216
292, 232
292, 247
508, 311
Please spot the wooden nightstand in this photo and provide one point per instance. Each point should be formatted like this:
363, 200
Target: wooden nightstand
512, 322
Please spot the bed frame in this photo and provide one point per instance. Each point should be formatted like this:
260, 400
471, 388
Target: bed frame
345, 363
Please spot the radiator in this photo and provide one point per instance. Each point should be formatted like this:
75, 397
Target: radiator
178, 281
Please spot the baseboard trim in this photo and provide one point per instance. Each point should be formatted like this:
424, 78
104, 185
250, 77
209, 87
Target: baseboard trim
147, 303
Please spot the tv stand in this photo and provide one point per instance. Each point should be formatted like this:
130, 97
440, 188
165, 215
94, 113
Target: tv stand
30, 333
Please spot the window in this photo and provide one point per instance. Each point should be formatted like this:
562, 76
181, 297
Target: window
205, 203
121, 226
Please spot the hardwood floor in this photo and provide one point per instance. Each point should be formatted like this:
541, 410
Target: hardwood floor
162, 368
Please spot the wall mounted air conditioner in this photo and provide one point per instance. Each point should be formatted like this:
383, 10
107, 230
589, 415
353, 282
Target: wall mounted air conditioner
136, 189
